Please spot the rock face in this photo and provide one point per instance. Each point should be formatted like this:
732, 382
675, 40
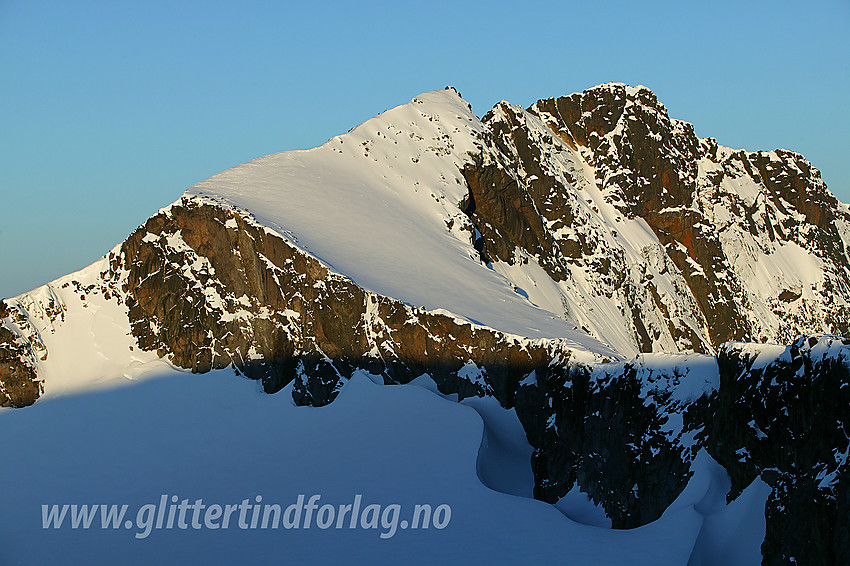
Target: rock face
785, 419
574, 181
20, 346
210, 288
626, 433
603, 212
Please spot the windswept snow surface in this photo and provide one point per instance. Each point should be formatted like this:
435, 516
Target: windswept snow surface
380, 205
220, 438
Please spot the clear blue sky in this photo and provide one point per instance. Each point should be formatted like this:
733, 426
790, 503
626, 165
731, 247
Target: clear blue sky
109, 110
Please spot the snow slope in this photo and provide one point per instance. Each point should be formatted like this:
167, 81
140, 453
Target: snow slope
81, 324
218, 437
380, 205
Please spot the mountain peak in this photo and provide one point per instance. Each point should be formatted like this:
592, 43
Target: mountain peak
586, 263
593, 219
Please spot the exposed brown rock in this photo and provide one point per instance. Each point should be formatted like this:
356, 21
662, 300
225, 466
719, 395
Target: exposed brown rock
228, 292
19, 382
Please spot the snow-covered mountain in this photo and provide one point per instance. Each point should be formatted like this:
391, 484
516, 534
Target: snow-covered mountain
585, 262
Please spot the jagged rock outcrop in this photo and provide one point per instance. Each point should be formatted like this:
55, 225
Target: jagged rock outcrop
619, 431
19, 382
565, 180
593, 253
786, 419
209, 287
625, 436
